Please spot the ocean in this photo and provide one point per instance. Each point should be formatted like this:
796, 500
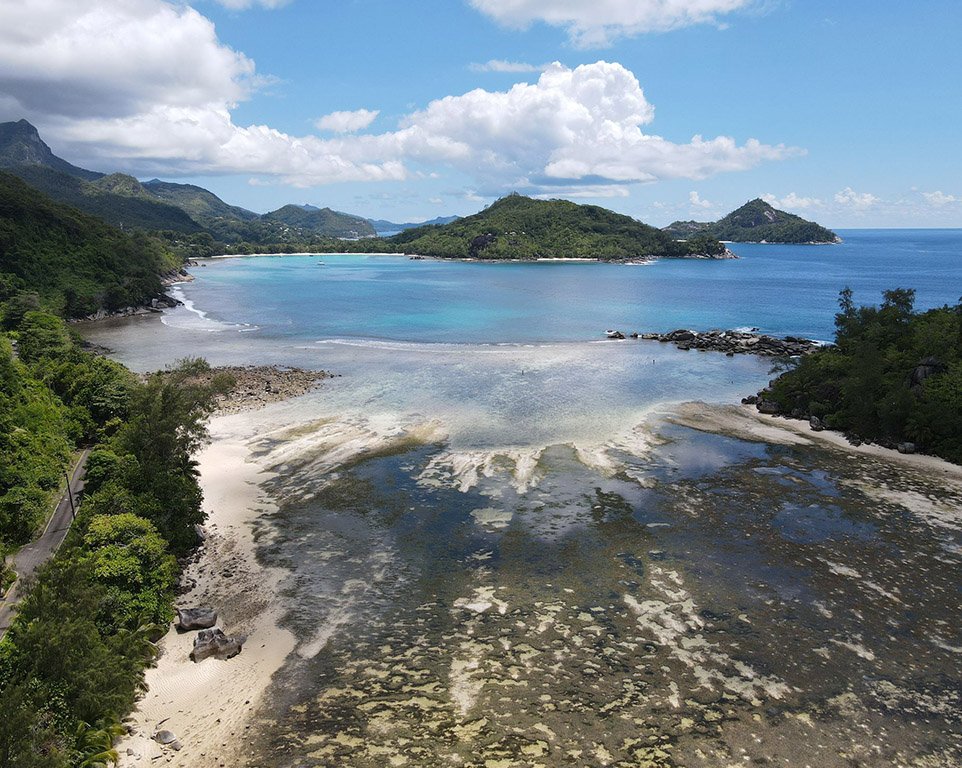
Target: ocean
510, 542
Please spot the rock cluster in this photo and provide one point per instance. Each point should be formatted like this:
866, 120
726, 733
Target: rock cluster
214, 643
158, 304
189, 619
259, 385
736, 342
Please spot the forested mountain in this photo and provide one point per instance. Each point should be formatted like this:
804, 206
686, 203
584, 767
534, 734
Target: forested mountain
202, 205
69, 261
20, 144
158, 206
321, 221
519, 227
754, 222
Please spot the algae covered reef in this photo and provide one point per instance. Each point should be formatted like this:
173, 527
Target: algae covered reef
709, 600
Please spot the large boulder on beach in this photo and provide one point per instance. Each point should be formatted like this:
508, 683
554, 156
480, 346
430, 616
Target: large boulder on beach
189, 619
767, 406
213, 643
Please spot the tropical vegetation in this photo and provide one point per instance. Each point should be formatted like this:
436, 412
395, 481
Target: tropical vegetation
55, 257
893, 376
72, 663
519, 227
73, 660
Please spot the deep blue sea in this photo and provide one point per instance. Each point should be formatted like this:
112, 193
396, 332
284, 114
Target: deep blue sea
786, 290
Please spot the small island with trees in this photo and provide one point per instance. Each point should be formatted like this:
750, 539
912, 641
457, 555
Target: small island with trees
757, 222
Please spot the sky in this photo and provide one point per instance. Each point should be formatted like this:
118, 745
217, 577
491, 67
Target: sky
848, 113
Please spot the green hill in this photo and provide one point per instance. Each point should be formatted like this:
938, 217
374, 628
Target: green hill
106, 198
321, 222
756, 222
518, 227
75, 263
202, 205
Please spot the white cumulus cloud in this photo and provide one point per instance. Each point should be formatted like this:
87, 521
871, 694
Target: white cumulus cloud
347, 122
696, 201
792, 201
591, 23
939, 198
582, 124
860, 201
145, 86
80, 58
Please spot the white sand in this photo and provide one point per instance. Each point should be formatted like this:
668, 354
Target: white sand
208, 705
746, 422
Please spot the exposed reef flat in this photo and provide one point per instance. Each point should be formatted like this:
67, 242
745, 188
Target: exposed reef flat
258, 385
758, 594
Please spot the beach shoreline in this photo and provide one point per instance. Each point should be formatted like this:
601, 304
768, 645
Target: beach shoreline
208, 706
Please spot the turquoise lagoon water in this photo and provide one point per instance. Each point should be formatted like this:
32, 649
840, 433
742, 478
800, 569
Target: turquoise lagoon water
780, 289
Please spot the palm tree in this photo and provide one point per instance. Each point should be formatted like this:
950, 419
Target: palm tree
95, 743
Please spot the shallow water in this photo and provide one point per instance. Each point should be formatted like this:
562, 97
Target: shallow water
504, 550
667, 612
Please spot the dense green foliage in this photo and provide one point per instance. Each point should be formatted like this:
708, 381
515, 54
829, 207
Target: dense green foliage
113, 199
72, 663
894, 375
754, 222
34, 449
518, 227
321, 221
74, 263
202, 205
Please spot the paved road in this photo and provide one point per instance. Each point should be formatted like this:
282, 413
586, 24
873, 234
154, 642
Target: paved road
35, 554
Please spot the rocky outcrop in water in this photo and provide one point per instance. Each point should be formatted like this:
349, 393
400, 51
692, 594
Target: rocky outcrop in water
736, 342
258, 385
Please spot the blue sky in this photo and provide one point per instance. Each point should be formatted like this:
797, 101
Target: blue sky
848, 113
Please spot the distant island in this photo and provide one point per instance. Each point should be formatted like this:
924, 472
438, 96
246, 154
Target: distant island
386, 228
757, 222
519, 227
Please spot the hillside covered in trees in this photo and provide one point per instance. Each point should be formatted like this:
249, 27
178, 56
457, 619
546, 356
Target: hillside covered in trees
55, 256
893, 377
72, 662
196, 220
518, 227
755, 222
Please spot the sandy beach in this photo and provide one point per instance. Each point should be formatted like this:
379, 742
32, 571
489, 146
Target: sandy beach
207, 705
